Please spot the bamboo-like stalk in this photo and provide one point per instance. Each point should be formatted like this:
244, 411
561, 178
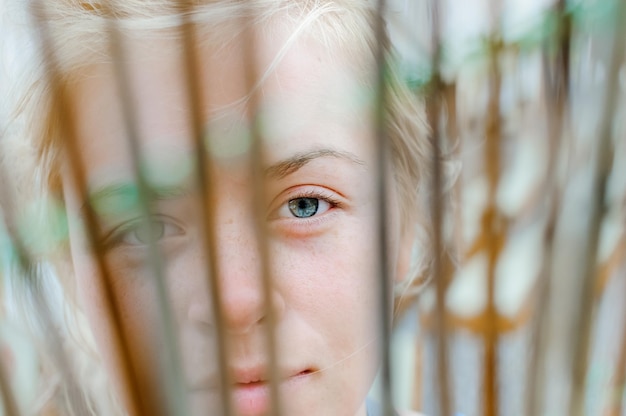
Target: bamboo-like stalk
492, 222
602, 169
64, 112
198, 101
257, 161
172, 372
444, 393
557, 96
382, 152
493, 227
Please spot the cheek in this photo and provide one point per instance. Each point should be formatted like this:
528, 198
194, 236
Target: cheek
135, 301
330, 280
329, 285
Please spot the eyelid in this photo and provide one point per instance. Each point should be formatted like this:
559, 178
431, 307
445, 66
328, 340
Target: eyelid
305, 191
116, 236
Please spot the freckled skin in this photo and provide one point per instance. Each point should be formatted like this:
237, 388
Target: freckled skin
324, 293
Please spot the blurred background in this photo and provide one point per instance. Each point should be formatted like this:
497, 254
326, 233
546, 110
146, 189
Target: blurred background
531, 107
527, 101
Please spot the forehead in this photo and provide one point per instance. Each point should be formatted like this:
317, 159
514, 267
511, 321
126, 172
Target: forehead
305, 93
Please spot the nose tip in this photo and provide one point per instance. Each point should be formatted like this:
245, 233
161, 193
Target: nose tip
242, 297
242, 306
246, 303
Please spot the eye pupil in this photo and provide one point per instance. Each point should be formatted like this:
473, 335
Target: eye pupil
303, 207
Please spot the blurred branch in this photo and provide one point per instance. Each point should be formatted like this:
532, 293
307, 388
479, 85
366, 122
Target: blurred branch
556, 77
197, 102
603, 166
64, 112
440, 272
494, 228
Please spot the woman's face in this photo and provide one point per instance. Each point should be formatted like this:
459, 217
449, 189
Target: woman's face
319, 211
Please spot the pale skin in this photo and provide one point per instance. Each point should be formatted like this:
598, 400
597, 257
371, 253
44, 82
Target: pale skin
320, 212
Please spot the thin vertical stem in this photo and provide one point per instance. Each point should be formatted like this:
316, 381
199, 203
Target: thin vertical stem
64, 112
557, 96
619, 380
602, 169
172, 372
382, 152
492, 221
437, 211
257, 161
198, 101
563, 70
494, 227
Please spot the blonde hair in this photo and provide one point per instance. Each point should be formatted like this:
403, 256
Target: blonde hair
77, 28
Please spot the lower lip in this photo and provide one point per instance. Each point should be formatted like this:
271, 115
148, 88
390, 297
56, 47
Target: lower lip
253, 399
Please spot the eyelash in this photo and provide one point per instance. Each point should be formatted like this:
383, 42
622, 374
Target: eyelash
115, 237
313, 194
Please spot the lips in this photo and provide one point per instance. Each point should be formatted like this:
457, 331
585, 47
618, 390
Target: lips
251, 389
249, 375
261, 374
242, 376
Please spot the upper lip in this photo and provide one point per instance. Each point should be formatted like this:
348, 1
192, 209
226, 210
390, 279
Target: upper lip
246, 375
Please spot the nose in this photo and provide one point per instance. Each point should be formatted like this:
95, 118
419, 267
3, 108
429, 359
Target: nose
240, 280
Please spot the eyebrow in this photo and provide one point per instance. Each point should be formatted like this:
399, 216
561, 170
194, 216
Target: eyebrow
127, 193
294, 163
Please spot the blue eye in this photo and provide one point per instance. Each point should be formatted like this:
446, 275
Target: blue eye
306, 204
304, 207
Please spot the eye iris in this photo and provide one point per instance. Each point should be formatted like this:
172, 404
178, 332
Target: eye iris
156, 230
303, 207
